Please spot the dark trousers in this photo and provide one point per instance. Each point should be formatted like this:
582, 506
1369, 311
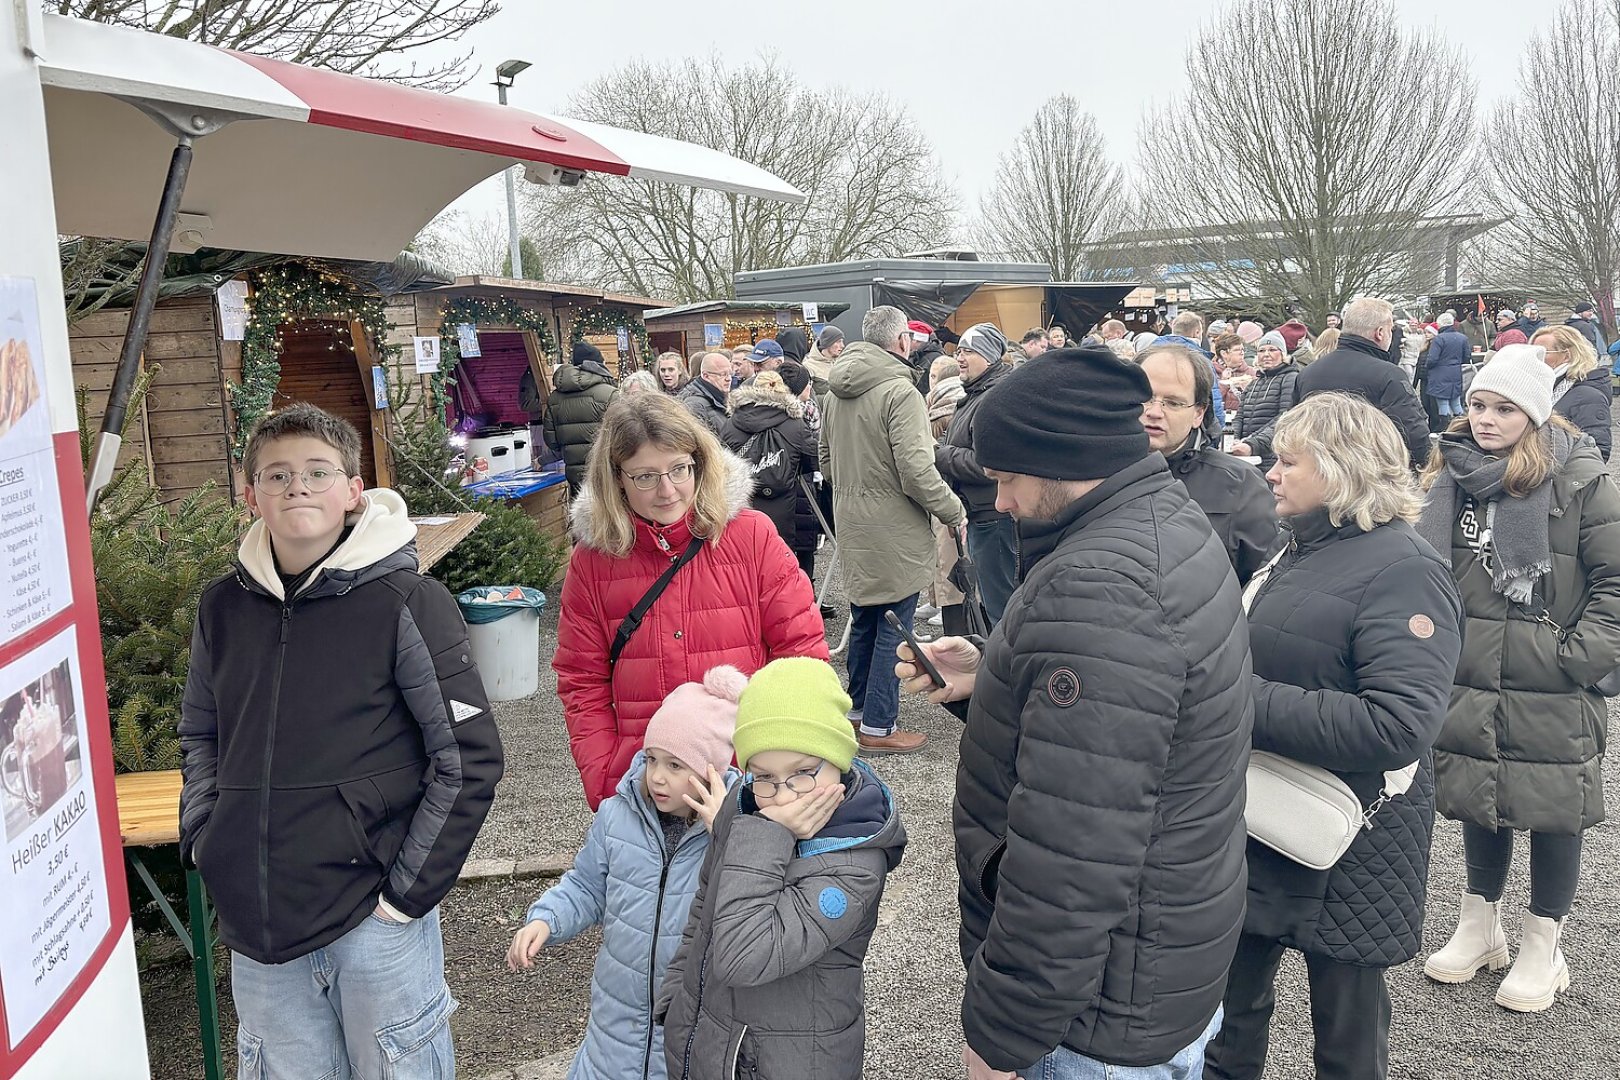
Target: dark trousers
1349, 1016
993, 547
1555, 867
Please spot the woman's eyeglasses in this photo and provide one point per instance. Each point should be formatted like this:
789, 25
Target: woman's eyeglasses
647, 481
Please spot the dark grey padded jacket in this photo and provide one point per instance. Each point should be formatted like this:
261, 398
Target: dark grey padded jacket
1099, 798
1355, 637
767, 983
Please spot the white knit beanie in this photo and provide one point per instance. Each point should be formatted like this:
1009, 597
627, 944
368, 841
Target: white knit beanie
1520, 374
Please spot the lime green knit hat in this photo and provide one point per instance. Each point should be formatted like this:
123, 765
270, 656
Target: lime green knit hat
795, 703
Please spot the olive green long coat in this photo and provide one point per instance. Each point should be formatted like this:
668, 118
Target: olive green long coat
1523, 742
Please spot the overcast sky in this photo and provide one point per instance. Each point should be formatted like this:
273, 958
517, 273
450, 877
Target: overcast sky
971, 73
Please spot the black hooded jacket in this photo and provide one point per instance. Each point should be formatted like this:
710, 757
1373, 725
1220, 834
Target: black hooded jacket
585, 389
795, 343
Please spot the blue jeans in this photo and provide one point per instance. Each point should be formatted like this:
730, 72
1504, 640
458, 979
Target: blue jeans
873, 686
372, 1004
1448, 406
993, 547
1063, 1064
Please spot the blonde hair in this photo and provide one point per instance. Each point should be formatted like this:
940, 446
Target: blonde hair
635, 422
1358, 453
1529, 462
1327, 341
1583, 359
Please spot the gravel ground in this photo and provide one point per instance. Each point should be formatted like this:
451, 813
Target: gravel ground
524, 1027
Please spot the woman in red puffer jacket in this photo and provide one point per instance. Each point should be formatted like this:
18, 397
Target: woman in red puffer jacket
656, 479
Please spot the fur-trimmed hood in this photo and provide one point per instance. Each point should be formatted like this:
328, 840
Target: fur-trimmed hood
584, 527
754, 394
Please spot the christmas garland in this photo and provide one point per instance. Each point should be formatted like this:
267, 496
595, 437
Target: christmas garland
483, 311
282, 294
606, 321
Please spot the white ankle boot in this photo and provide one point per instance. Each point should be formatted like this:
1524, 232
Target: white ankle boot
1540, 972
1479, 942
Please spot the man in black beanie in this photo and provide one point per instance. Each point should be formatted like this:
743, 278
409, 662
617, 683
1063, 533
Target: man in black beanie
585, 388
1099, 794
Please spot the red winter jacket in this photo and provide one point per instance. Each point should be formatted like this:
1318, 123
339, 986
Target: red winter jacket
742, 600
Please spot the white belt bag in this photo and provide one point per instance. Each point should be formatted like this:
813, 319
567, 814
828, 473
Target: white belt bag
1304, 812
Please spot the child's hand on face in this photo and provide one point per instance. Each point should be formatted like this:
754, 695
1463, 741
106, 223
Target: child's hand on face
808, 814
707, 798
526, 944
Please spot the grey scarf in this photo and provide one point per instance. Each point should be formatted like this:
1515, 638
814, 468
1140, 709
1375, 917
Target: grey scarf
1515, 528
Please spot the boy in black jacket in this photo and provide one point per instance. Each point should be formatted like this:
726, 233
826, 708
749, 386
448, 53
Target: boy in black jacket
340, 756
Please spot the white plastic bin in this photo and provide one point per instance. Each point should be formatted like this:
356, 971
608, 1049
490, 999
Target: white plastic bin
507, 652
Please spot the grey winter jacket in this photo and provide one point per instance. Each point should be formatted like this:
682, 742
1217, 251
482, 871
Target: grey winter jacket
1523, 743
625, 880
704, 402
1354, 636
878, 453
768, 981
1099, 795
575, 412
1271, 394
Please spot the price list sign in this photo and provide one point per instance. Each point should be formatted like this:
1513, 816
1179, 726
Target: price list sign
34, 582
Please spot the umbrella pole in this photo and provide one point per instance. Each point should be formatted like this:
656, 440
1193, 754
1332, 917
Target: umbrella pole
104, 456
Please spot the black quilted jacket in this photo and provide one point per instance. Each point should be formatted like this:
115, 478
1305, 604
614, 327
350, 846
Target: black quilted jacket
1271, 394
1099, 795
1355, 637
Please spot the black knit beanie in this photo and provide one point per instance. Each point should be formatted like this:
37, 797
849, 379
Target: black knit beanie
584, 352
1069, 414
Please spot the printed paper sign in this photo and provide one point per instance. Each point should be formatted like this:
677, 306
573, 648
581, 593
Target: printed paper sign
812, 314
784, 318
714, 335
34, 582
427, 354
379, 388
233, 309
53, 904
467, 340
624, 341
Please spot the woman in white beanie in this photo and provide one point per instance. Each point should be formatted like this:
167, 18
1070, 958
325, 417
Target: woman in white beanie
1522, 501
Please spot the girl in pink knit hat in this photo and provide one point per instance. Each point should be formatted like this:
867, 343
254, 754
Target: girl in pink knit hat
637, 874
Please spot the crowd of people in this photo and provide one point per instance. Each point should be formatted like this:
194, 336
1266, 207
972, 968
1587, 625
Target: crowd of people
1169, 569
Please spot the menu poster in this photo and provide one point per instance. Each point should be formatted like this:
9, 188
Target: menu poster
34, 582
714, 335
53, 903
624, 341
467, 340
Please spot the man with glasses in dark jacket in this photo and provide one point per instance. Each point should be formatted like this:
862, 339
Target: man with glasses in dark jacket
1099, 797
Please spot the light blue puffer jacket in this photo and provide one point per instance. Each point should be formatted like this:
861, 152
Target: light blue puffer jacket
621, 880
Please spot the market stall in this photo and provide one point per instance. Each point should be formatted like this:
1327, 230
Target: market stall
692, 329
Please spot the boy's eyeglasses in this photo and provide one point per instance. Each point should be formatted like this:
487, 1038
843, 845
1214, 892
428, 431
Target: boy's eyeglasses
800, 783
679, 475
317, 478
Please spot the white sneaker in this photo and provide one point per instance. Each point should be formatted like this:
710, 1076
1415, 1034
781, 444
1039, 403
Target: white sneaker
926, 611
936, 620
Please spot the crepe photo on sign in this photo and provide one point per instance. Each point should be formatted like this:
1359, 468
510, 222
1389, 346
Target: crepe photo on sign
19, 386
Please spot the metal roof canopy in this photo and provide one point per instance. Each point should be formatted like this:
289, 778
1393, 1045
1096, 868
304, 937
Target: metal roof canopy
703, 306
262, 155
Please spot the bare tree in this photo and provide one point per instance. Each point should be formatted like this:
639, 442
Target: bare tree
1054, 192
363, 37
1299, 167
873, 186
1553, 162
464, 244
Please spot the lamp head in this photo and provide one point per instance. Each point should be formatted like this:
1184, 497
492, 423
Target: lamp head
509, 70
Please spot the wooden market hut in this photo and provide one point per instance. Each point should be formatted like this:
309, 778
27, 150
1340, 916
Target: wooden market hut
693, 328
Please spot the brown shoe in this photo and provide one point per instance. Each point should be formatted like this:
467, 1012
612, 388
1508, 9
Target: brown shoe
896, 742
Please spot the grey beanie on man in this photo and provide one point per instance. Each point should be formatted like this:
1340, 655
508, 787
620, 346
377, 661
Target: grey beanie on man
985, 340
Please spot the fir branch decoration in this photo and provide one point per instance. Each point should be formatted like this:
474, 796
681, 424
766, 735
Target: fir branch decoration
483, 311
287, 293
606, 321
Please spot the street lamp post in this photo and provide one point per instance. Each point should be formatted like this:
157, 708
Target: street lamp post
504, 75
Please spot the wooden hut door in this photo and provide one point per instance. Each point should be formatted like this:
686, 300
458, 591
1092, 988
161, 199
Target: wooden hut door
318, 366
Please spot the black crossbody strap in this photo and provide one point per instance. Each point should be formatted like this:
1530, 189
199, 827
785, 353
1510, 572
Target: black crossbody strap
632, 621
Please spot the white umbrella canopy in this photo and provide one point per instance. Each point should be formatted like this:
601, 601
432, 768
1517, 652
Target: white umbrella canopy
310, 162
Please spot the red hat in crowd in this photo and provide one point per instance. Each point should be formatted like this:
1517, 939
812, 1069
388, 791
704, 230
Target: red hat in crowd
1293, 332
920, 328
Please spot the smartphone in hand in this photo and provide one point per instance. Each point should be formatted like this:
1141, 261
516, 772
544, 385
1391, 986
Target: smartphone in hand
916, 650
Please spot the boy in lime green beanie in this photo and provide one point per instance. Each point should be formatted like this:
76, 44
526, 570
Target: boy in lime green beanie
768, 978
